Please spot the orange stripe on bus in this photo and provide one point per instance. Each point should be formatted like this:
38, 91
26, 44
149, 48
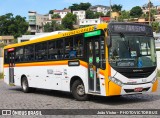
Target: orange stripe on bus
109, 70
84, 64
101, 72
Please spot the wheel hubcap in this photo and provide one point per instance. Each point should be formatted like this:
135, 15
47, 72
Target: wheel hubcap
80, 90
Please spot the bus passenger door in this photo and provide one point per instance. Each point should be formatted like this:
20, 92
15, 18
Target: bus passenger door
93, 57
11, 66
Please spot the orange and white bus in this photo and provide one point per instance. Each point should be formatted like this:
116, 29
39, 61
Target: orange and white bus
106, 60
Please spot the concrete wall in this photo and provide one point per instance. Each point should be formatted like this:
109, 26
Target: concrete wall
1, 64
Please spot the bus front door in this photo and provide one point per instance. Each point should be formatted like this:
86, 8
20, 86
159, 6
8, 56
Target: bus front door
93, 57
11, 67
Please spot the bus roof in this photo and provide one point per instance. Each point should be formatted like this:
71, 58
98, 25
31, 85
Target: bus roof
59, 35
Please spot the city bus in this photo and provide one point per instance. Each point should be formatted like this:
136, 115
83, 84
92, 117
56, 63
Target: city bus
108, 59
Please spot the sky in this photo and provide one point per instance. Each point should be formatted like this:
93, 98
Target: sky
21, 7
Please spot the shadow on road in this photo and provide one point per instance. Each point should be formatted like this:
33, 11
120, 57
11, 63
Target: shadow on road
119, 100
126, 99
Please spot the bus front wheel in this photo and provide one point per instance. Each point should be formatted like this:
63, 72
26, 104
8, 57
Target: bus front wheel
25, 86
78, 91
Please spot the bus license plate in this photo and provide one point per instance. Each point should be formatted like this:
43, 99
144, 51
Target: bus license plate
138, 89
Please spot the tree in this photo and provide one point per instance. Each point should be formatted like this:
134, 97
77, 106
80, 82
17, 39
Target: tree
98, 14
150, 4
53, 26
81, 6
56, 16
116, 8
69, 20
90, 14
108, 13
124, 15
136, 12
155, 26
10, 25
51, 12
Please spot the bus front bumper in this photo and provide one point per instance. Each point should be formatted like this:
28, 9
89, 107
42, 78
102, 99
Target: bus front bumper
115, 89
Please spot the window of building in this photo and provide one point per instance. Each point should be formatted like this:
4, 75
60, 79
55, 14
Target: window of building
29, 53
41, 51
19, 54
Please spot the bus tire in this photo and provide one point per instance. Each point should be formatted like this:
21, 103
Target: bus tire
78, 91
25, 86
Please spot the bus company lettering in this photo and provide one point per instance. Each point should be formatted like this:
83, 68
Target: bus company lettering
78, 31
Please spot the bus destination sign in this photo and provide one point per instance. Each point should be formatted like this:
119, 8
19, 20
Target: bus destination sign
128, 28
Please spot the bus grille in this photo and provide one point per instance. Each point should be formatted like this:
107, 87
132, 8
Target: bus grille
132, 90
136, 75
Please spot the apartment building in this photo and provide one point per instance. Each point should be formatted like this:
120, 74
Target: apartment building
81, 14
62, 13
100, 8
36, 21
6, 40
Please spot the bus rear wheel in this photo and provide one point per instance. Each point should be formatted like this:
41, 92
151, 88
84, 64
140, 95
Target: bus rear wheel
78, 91
25, 86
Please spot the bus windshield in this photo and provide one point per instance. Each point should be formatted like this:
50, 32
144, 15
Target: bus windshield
132, 51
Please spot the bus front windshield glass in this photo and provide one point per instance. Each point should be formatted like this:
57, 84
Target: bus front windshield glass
132, 51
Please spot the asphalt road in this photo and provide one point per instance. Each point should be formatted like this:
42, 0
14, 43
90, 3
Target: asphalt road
14, 98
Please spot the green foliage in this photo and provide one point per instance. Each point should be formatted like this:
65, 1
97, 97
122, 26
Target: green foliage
81, 6
89, 14
53, 26
155, 26
124, 15
10, 25
69, 20
56, 16
28, 33
147, 5
98, 14
158, 73
108, 13
51, 12
2, 45
1, 76
136, 12
116, 8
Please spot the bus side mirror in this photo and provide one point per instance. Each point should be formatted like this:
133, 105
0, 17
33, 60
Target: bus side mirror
109, 41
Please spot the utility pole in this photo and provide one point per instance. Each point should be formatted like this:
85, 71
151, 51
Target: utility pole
110, 10
149, 5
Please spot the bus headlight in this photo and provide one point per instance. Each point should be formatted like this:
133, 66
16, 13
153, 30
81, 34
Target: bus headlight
154, 79
115, 80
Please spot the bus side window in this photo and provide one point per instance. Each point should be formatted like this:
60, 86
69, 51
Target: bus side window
5, 57
41, 51
51, 50
19, 55
59, 49
68, 47
29, 53
78, 45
